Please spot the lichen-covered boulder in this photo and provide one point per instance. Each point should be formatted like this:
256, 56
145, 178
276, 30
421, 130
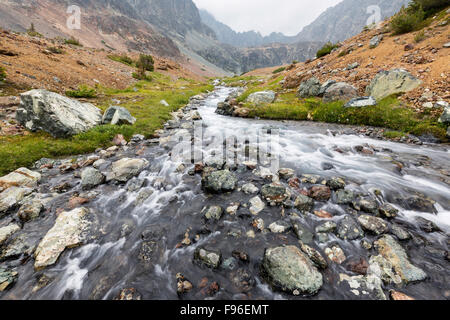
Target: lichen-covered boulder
290, 270
309, 88
262, 97
219, 181
56, 114
340, 91
391, 82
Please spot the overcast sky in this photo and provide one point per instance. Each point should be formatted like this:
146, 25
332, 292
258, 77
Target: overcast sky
266, 16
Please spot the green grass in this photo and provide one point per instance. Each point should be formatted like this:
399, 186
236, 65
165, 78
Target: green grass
238, 80
73, 41
326, 49
123, 58
55, 50
389, 113
83, 91
2, 74
279, 70
393, 134
23, 151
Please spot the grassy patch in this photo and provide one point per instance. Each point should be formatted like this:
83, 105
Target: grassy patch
143, 102
83, 91
279, 70
55, 50
326, 49
393, 134
2, 74
389, 113
123, 58
240, 81
73, 41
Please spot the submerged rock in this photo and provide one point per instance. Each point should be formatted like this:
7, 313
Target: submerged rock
396, 255
56, 114
67, 232
279, 227
7, 278
10, 198
348, 229
304, 203
209, 258
373, 224
344, 197
274, 193
256, 205
288, 269
213, 213
364, 286
6, 232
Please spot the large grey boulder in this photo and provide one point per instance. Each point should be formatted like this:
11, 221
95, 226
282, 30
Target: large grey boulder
290, 270
391, 82
261, 97
340, 91
309, 88
117, 116
375, 41
67, 232
58, 115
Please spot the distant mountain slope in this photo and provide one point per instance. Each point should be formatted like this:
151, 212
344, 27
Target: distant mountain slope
241, 39
347, 19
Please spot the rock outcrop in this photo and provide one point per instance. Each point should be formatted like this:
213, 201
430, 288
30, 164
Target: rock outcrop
56, 114
391, 82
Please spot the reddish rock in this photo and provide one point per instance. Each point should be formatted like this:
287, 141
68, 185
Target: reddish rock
323, 214
395, 295
358, 266
320, 193
119, 140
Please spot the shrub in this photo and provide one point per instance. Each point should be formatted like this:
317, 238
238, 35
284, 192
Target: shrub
420, 36
431, 5
279, 70
141, 75
83, 91
326, 49
122, 59
55, 50
146, 63
73, 41
408, 19
2, 74
32, 31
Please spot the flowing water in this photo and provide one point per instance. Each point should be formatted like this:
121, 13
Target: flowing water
137, 244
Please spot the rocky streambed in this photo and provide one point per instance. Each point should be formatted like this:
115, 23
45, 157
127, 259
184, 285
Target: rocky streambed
340, 216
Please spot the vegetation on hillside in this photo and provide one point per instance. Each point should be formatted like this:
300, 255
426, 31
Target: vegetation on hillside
32, 32
143, 103
326, 49
73, 41
2, 74
414, 17
390, 113
83, 91
123, 58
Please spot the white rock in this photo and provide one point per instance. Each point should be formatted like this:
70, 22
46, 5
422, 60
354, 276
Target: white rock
67, 232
